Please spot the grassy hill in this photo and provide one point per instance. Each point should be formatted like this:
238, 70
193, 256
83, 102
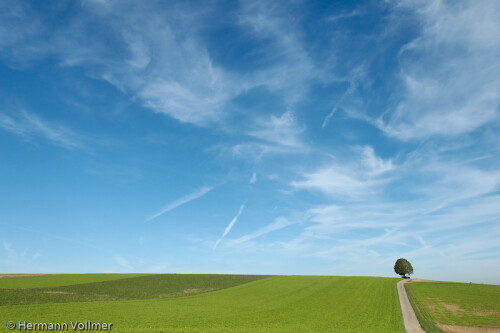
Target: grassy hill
266, 304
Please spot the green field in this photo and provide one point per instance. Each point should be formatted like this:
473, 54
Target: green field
128, 288
457, 304
41, 281
266, 304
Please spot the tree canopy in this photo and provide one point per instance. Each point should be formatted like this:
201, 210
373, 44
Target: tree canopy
403, 267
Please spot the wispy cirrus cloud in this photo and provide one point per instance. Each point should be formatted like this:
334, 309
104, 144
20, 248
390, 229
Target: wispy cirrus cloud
375, 232
352, 180
346, 15
19, 27
270, 135
420, 183
30, 125
176, 77
373, 164
11, 253
282, 131
388, 231
336, 181
181, 201
354, 81
421, 190
451, 71
123, 263
291, 68
230, 225
253, 179
429, 208
165, 64
159, 61
279, 223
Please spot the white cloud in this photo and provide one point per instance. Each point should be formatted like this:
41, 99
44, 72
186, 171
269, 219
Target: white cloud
165, 65
163, 62
166, 68
376, 233
456, 183
275, 135
182, 102
335, 181
423, 208
181, 201
450, 71
186, 85
11, 253
253, 179
282, 131
123, 262
354, 80
357, 244
279, 223
255, 150
29, 125
19, 26
230, 225
291, 68
336, 219
348, 180
374, 164
417, 203
345, 15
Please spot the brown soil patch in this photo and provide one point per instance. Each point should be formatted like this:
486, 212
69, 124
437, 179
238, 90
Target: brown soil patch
18, 275
486, 313
103, 297
457, 310
199, 290
57, 292
187, 292
453, 308
465, 329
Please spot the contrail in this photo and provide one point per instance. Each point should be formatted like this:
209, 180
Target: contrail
181, 201
253, 179
230, 225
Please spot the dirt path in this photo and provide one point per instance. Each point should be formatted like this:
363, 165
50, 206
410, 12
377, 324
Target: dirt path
410, 320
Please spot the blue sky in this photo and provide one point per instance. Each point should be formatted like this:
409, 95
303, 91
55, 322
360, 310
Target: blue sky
250, 137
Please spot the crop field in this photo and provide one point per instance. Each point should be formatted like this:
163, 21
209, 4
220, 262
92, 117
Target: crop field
214, 303
441, 305
128, 288
41, 281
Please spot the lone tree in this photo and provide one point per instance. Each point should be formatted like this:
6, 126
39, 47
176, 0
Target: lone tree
403, 267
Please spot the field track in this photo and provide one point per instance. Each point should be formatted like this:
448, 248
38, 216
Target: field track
410, 319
